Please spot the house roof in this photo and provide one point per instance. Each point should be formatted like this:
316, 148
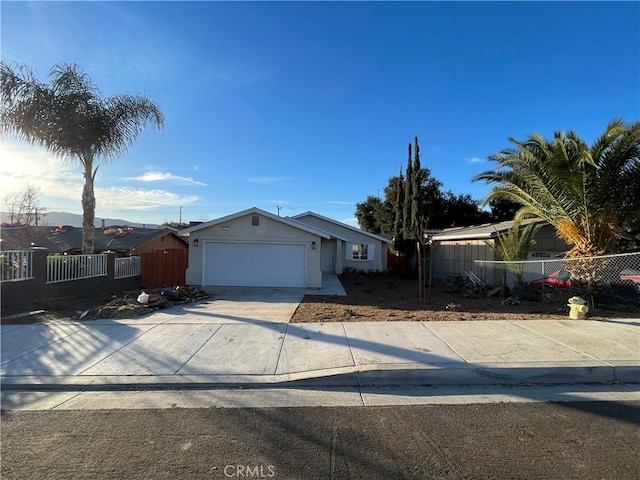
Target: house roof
58, 240
256, 211
487, 230
343, 225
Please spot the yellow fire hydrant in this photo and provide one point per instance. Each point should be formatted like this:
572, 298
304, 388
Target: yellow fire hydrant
578, 309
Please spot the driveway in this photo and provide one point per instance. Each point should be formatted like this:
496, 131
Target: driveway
240, 330
237, 305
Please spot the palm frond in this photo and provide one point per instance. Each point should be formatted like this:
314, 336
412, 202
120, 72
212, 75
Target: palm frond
585, 192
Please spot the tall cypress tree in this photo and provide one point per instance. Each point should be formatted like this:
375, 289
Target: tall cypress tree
417, 214
398, 236
407, 229
417, 200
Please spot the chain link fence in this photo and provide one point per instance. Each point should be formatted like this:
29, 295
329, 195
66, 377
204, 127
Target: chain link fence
609, 281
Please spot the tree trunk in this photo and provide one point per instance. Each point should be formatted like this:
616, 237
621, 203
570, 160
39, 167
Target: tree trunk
420, 283
88, 208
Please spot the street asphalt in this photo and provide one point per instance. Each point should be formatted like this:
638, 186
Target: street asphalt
575, 440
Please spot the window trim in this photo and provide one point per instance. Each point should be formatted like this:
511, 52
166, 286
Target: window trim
362, 249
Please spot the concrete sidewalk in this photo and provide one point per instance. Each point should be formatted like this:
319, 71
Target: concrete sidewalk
195, 347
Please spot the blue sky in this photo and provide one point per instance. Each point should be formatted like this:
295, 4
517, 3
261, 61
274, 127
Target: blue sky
311, 105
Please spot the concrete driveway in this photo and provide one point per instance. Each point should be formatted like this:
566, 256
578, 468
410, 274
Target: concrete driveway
239, 330
237, 305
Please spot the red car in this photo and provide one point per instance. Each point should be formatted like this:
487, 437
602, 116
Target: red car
629, 274
558, 280
561, 280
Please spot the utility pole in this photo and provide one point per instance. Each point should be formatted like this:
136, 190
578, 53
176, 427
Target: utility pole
180, 215
278, 207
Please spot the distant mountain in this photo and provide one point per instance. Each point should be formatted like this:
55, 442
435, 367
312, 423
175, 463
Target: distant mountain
75, 220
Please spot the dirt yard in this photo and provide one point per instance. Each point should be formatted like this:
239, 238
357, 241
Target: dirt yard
390, 299
370, 298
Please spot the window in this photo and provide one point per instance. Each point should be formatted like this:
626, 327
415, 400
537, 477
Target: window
359, 251
255, 220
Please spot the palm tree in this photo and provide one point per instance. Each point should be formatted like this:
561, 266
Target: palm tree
70, 119
590, 194
514, 246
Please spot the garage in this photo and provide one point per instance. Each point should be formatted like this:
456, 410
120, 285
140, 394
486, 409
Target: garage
254, 264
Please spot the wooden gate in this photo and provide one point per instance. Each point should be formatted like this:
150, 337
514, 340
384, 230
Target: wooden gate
164, 268
397, 265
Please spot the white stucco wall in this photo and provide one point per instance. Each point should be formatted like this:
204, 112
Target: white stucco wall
377, 263
240, 230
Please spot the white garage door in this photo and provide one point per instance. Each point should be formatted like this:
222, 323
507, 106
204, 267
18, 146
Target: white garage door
254, 264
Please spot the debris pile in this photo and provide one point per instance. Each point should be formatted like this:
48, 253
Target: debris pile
128, 306
184, 294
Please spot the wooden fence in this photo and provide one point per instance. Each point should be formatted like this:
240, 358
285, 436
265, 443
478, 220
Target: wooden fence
164, 268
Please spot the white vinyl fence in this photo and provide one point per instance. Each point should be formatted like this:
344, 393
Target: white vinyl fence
127, 267
62, 268
16, 265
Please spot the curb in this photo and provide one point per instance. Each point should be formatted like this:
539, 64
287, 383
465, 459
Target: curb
367, 375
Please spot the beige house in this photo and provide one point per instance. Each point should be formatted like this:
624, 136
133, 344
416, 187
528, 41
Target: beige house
457, 250
257, 248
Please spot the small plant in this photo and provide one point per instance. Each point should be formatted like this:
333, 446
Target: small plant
452, 307
350, 312
512, 301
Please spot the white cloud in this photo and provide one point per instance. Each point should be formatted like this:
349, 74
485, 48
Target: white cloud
476, 160
339, 202
22, 164
61, 182
166, 177
124, 198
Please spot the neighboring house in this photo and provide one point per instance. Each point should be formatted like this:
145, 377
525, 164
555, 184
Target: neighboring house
123, 240
455, 250
257, 248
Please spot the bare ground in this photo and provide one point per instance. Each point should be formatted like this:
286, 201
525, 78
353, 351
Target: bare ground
370, 298
378, 298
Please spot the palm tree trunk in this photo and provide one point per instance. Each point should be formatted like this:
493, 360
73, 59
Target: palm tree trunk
88, 207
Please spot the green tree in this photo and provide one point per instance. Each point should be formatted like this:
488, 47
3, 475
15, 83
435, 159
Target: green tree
503, 209
418, 218
407, 224
397, 184
69, 118
457, 210
374, 215
590, 194
178, 225
515, 245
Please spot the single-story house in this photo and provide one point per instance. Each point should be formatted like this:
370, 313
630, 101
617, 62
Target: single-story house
456, 250
123, 240
350, 248
257, 248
